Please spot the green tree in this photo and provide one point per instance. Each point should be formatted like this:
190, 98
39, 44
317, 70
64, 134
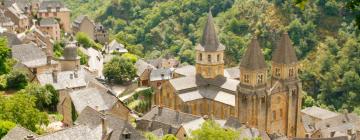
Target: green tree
83, 58
210, 130
20, 109
83, 40
5, 127
169, 137
16, 80
4, 56
119, 70
46, 96
150, 136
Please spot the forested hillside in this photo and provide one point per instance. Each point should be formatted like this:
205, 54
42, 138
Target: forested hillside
323, 32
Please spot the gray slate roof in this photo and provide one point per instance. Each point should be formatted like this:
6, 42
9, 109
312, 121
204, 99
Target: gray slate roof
48, 21
79, 132
253, 58
4, 20
115, 125
209, 40
53, 4
70, 52
233, 73
318, 113
141, 66
188, 70
114, 46
93, 98
160, 74
30, 55
18, 133
284, 52
208, 92
11, 38
63, 79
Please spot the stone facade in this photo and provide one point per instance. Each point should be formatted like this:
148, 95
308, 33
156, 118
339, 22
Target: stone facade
55, 9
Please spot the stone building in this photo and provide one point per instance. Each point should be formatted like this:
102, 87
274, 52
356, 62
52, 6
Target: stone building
143, 71
95, 31
55, 9
50, 26
6, 22
19, 17
272, 105
70, 60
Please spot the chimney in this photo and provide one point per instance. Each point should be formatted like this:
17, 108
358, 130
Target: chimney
104, 126
177, 117
29, 137
57, 8
160, 110
76, 75
55, 75
48, 59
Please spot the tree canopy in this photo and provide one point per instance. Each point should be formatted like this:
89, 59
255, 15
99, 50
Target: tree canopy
210, 130
119, 70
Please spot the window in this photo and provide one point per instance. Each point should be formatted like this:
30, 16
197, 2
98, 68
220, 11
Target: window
246, 78
291, 72
218, 57
209, 58
200, 56
349, 132
277, 72
260, 78
281, 113
332, 134
273, 115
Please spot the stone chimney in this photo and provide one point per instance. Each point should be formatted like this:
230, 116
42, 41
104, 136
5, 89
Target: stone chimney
55, 76
160, 110
126, 134
29, 137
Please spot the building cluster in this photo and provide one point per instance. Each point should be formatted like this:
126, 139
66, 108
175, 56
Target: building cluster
248, 98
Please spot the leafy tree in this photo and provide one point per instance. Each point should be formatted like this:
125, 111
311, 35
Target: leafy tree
169, 137
16, 80
5, 127
150, 136
83, 58
119, 70
20, 109
133, 58
83, 39
4, 56
46, 96
210, 130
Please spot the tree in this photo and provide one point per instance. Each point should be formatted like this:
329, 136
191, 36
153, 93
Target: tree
46, 96
150, 136
16, 80
83, 39
4, 56
169, 137
5, 127
119, 70
20, 109
210, 130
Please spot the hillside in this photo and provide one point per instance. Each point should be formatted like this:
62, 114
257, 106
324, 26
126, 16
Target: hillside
323, 33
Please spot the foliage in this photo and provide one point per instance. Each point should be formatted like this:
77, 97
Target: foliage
133, 58
84, 59
150, 136
46, 96
119, 70
169, 137
210, 130
5, 127
20, 109
58, 49
141, 100
16, 80
5, 65
86, 42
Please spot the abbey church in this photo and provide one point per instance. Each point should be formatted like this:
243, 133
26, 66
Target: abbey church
270, 104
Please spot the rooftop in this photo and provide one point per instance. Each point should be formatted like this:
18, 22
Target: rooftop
318, 113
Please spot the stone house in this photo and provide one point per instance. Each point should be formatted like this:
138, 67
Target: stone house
98, 98
95, 31
70, 60
35, 35
50, 26
19, 17
6, 22
159, 76
271, 105
164, 63
143, 71
115, 47
57, 10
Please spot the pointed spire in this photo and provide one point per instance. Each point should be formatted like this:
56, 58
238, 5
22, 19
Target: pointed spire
209, 40
253, 58
284, 52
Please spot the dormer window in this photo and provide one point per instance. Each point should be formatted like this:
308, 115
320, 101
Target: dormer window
277, 72
260, 78
209, 58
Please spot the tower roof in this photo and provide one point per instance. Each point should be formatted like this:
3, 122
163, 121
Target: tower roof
284, 52
209, 40
70, 52
253, 58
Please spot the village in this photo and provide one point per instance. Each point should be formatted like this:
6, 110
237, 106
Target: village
166, 96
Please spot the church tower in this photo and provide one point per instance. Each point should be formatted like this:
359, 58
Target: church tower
251, 101
285, 94
210, 52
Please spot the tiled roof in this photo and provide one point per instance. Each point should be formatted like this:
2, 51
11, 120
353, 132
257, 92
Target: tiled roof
208, 92
79, 132
4, 20
187, 70
209, 40
284, 52
52, 4
30, 55
160, 74
63, 79
18, 133
11, 38
141, 66
114, 46
93, 98
319, 113
253, 58
233, 73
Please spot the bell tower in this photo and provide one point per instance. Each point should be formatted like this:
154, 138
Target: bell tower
251, 101
286, 96
210, 52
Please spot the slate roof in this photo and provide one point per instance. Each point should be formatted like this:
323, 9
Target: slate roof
233, 73
20, 3
115, 46
63, 79
4, 20
16, 10
79, 132
284, 52
53, 4
333, 138
115, 125
187, 70
318, 113
48, 21
192, 125
80, 18
167, 119
208, 92
209, 40
141, 66
30, 55
93, 98
11, 38
189, 82
160, 74
18, 133
253, 58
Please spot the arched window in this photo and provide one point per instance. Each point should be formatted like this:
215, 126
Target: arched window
200, 56
246, 78
218, 57
209, 58
291, 72
260, 78
277, 72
